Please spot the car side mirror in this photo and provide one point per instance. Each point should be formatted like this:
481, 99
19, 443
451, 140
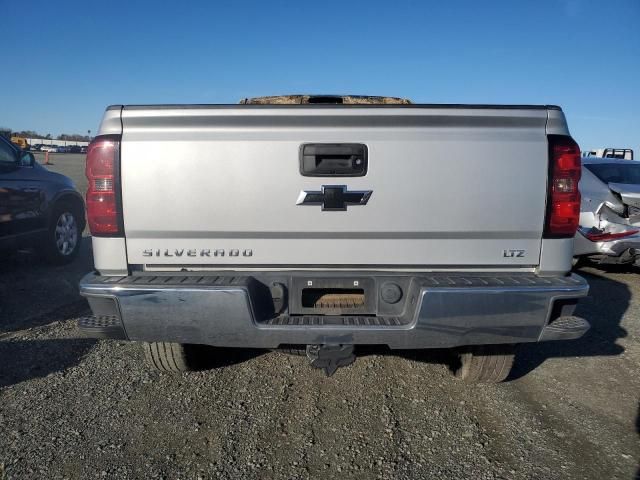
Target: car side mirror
27, 159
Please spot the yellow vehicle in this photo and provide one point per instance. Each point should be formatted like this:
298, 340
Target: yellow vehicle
21, 142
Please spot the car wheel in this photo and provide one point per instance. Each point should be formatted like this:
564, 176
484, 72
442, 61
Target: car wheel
64, 235
485, 363
178, 357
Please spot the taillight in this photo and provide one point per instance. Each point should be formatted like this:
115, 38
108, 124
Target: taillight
103, 196
563, 196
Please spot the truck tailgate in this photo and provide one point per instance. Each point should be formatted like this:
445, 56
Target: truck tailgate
210, 186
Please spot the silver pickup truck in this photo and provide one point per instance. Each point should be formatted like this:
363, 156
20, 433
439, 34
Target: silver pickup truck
320, 226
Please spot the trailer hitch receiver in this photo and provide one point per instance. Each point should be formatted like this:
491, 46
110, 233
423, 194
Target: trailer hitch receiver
330, 357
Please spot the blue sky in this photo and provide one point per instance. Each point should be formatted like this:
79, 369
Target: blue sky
71, 59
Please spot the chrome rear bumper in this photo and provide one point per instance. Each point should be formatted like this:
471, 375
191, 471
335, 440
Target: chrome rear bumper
438, 310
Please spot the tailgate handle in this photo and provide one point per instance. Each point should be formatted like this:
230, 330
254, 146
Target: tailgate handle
333, 159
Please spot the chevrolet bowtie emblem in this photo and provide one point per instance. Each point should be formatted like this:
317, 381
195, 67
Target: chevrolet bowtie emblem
334, 197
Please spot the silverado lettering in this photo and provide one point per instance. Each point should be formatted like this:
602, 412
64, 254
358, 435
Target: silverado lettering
205, 252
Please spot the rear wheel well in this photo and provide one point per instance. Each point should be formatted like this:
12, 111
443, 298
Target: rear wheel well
75, 202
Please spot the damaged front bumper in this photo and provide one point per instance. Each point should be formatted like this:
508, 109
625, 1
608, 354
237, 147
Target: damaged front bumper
609, 223
617, 245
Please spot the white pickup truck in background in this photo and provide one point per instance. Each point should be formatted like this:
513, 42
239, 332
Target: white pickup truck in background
328, 224
621, 153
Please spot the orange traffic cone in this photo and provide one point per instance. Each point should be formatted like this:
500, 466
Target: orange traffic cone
46, 158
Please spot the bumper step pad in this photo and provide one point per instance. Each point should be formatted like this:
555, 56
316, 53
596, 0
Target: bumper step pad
102, 326
320, 320
565, 328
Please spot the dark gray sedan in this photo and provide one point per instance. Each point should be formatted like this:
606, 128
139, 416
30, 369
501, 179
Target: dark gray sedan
38, 208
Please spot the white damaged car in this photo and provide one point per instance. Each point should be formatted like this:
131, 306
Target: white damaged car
609, 229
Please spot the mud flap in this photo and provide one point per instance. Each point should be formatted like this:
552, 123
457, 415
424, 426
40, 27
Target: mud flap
330, 357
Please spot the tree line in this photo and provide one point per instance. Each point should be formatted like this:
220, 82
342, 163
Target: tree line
33, 134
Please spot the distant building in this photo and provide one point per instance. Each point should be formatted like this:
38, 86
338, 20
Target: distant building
53, 141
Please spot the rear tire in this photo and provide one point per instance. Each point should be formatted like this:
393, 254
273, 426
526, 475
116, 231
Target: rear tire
485, 363
177, 357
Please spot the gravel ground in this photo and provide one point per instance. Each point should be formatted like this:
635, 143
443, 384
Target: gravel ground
80, 408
